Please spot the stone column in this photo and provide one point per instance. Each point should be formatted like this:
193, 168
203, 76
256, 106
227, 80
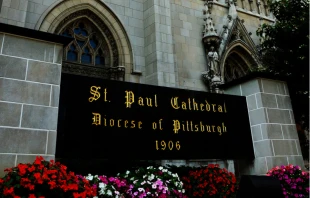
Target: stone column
159, 56
274, 133
30, 72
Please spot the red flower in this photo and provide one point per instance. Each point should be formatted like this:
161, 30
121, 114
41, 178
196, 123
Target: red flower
38, 160
31, 196
8, 191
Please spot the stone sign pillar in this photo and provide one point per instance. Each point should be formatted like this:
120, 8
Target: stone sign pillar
274, 133
30, 72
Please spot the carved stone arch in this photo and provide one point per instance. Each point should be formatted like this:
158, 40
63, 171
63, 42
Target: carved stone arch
237, 60
102, 17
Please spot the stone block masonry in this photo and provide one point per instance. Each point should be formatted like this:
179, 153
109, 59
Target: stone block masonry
30, 72
274, 133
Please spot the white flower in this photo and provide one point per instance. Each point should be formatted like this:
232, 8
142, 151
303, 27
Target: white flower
164, 170
148, 193
160, 168
154, 186
89, 177
183, 191
140, 189
175, 175
132, 179
169, 172
142, 183
127, 172
144, 176
151, 177
150, 167
134, 182
102, 185
109, 192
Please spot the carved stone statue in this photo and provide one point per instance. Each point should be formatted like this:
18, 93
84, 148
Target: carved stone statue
213, 62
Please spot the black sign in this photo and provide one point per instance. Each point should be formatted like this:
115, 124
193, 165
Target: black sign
112, 119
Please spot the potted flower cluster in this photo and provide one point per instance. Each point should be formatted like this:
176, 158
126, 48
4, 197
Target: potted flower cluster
294, 181
210, 181
43, 179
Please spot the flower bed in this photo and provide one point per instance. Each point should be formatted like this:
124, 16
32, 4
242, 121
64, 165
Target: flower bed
210, 181
43, 179
294, 181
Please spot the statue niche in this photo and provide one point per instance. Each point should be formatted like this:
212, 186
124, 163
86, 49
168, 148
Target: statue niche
213, 64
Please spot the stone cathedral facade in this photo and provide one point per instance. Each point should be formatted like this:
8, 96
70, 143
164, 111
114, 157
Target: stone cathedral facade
203, 45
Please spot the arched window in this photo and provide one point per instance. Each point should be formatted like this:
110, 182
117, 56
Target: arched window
88, 47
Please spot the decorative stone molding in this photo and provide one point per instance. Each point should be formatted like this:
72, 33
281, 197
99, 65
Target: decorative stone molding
113, 73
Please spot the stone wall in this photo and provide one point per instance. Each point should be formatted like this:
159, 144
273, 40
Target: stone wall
30, 73
273, 128
165, 34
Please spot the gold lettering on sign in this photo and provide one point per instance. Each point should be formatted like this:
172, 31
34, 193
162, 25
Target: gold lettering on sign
195, 105
207, 106
149, 102
94, 91
160, 128
140, 101
174, 103
96, 119
224, 127
118, 123
155, 100
220, 109
139, 125
105, 95
183, 105
190, 126
176, 126
129, 98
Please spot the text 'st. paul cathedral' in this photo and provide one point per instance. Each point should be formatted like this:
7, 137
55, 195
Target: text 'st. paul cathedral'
197, 45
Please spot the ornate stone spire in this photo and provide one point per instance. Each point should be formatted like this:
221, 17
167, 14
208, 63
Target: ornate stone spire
227, 24
209, 29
